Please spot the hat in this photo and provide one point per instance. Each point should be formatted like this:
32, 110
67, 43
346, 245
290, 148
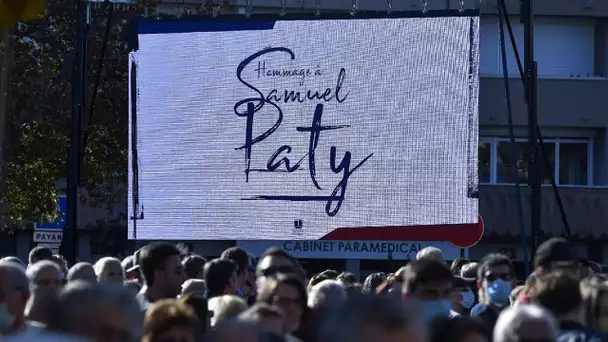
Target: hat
554, 250
463, 282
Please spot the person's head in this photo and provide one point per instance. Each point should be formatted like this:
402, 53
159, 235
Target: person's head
40, 253
430, 282
133, 286
457, 264
594, 293
225, 307
373, 318
275, 261
316, 279
82, 271
430, 253
557, 255
463, 297
392, 284
14, 294
560, 294
193, 266
241, 259
220, 277
45, 281
62, 263
288, 293
354, 289
469, 270
515, 294
463, 329
347, 278
526, 323
495, 280
98, 312
13, 259
236, 330
161, 268
373, 281
170, 320
194, 286
326, 297
266, 317
200, 305
109, 270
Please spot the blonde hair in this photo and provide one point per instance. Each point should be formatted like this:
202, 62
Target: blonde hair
226, 307
166, 314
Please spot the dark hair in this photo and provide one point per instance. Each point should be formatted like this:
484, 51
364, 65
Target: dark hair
373, 281
354, 289
331, 274
217, 274
558, 293
279, 252
424, 271
40, 252
457, 265
449, 329
193, 265
239, 256
269, 288
492, 260
153, 256
347, 278
200, 306
315, 280
469, 270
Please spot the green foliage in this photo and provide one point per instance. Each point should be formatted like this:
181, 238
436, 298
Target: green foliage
38, 140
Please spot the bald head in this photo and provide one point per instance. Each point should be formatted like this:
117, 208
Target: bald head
15, 274
45, 279
109, 270
14, 286
83, 271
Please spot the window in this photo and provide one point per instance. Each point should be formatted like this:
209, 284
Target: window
562, 50
502, 163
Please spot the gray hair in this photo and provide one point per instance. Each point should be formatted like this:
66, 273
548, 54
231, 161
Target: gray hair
102, 263
258, 312
78, 272
226, 307
430, 253
351, 322
34, 269
17, 275
79, 296
510, 324
13, 259
194, 286
328, 294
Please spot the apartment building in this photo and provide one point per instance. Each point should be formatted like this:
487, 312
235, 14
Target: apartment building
571, 47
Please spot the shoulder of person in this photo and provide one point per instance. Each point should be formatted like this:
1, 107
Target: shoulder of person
580, 336
40, 335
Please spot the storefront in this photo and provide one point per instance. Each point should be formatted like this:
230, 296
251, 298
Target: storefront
359, 257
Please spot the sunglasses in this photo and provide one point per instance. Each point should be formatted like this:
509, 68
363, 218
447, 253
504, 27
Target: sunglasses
495, 276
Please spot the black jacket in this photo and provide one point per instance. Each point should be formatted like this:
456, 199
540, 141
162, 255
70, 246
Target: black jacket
575, 332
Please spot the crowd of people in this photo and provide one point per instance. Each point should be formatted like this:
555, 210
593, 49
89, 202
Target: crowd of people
162, 294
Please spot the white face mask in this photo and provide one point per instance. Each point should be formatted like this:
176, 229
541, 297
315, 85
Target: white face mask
468, 299
6, 318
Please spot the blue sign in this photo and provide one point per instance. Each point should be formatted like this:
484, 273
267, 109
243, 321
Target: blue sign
60, 221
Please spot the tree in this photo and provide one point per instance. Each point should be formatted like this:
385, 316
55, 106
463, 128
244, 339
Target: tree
39, 130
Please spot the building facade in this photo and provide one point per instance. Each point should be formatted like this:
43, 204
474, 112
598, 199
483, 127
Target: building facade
571, 48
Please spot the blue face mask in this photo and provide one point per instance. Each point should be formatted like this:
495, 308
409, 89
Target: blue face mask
435, 308
498, 292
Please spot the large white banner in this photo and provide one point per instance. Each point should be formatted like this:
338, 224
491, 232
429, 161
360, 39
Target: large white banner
292, 129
